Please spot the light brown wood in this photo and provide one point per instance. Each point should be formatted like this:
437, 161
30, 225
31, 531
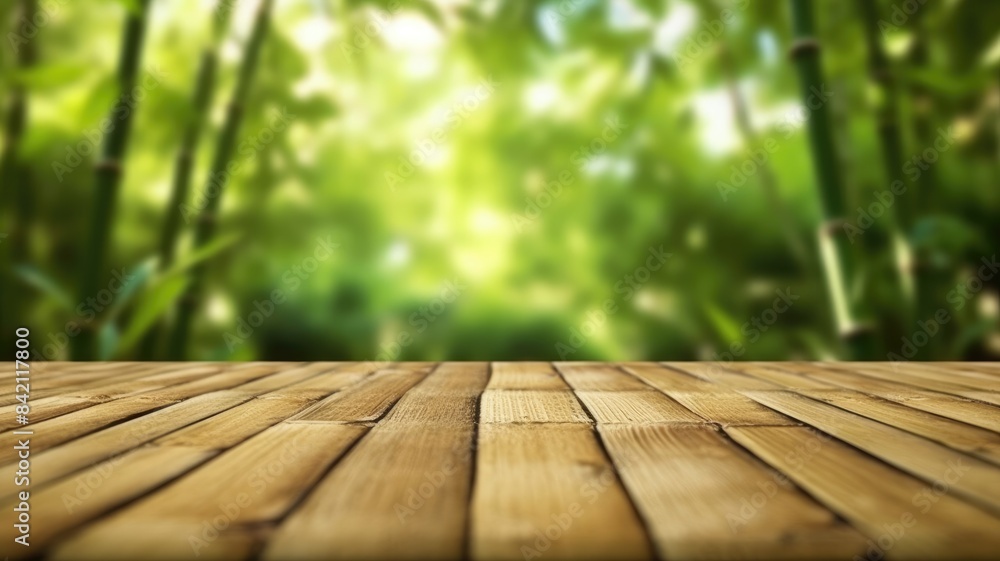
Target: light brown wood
980, 481
531, 406
525, 376
635, 407
698, 493
960, 436
403, 491
367, 400
548, 490
900, 515
729, 408
598, 377
685, 460
73, 501
257, 481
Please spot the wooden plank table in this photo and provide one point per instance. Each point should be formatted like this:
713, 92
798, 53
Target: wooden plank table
523, 460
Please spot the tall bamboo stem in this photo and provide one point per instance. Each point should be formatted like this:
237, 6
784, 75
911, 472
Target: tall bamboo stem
184, 164
891, 141
15, 175
217, 180
833, 243
108, 172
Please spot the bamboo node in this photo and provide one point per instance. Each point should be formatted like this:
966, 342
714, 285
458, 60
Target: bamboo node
114, 166
802, 46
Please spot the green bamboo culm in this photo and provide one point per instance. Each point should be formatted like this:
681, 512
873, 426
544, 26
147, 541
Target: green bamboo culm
833, 242
184, 164
15, 175
900, 215
108, 173
216, 182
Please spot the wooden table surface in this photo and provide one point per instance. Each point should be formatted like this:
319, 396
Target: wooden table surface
507, 461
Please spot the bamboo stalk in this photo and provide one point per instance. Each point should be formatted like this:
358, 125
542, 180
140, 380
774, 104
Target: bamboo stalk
833, 243
891, 141
184, 164
15, 175
218, 177
108, 174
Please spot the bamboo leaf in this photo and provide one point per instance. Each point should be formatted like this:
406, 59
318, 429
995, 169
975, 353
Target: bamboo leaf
150, 306
107, 341
51, 75
45, 284
141, 275
201, 254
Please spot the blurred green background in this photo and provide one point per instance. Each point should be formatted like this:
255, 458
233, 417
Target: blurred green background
451, 179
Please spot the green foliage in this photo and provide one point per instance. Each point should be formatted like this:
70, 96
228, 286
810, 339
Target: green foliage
366, 89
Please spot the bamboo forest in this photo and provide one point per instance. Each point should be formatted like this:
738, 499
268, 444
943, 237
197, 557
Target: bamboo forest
501, 179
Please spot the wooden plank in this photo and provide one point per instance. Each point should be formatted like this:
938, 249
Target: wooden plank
901, 376
960, 436
593, 376
954, 407
150, 381
367, 400
635, 407
450, 395
207, 512
923, 458
993, 398
773, 373
548, 490
903, 517
59, 508
531, 406
403, 491
56, 431
326, 383
719, 374
968, 376
42, 386
525, 376
235, 425
43, 409
668, 380
102, 445
729, 408
697, 492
